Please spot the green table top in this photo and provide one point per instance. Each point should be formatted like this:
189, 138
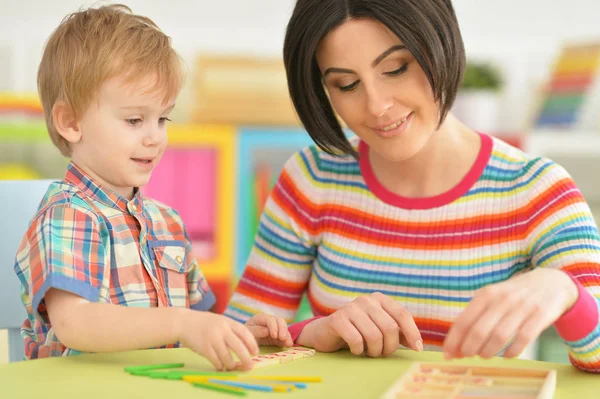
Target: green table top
344, 376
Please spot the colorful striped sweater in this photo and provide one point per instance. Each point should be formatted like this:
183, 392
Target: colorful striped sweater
331, 230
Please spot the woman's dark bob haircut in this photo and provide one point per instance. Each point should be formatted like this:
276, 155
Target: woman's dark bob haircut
428, 29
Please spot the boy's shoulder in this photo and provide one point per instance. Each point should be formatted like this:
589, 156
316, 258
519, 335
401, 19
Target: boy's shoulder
61, 194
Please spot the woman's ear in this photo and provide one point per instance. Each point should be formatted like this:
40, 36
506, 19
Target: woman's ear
65, 122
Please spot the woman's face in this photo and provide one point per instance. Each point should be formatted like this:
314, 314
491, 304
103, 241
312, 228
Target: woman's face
378, 88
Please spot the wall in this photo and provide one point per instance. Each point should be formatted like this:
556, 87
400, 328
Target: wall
523, 35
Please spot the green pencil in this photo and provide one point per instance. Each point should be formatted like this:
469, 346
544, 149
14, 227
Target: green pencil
178, 375
221, 388
134, 369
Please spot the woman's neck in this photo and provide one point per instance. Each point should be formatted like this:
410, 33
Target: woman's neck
440, 165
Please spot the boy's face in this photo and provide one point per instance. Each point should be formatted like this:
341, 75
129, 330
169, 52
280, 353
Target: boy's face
123, 134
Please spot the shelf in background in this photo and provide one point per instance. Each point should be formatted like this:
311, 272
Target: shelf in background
551, 143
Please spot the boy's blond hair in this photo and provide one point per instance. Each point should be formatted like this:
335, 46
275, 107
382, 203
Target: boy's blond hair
93, 45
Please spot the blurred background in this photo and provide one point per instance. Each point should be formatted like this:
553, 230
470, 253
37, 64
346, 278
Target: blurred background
532, 79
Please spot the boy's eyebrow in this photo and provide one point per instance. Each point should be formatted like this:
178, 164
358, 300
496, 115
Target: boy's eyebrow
170, 108
381, 57
145, 108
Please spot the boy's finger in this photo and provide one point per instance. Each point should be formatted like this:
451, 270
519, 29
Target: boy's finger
239, 348
212, 357
222, 350
273, 327
284, 334
247, 338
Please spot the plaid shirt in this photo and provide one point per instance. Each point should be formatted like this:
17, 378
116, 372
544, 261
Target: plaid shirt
98, 245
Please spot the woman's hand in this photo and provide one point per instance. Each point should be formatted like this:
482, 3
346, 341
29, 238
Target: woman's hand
520, 308
270, 330
375, 324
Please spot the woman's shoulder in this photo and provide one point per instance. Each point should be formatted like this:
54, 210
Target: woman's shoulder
317, 162
511, 161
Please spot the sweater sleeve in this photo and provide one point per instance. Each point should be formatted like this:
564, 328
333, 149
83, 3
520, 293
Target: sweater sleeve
280, 263
562, 233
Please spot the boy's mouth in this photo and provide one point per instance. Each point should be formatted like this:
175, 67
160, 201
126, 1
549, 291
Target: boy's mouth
142, 160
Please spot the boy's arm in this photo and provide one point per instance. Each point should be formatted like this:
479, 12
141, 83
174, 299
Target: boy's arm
63, 265
66, 264
101, 327
200, 295
90, 326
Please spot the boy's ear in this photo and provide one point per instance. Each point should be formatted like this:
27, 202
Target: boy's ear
65, 122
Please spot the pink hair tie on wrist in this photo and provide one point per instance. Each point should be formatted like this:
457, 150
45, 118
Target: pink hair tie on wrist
579, 321
296, 328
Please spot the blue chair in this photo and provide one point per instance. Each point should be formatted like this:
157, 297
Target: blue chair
18, 202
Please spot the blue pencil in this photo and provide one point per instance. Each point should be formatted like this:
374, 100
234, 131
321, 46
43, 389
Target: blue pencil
299, 385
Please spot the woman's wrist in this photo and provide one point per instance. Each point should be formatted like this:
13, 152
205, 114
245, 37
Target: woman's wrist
581, 317
303, 332
571, 289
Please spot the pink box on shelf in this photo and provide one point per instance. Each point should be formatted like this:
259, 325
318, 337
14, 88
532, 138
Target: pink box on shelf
198, 175
204, 250
161, 186
185, 179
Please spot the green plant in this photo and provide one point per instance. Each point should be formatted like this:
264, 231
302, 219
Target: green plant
481, 76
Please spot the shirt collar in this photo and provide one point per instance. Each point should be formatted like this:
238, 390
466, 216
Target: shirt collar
76, 176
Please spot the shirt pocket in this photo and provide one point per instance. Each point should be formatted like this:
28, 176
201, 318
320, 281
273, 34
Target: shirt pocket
171, 272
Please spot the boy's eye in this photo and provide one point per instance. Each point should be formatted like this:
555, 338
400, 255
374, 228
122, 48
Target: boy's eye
133, 121
163, 120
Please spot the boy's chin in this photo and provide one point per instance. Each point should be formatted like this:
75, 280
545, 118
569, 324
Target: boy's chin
139, 183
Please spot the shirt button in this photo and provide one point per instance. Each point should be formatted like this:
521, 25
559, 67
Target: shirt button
178, 259
143, 241
134, 207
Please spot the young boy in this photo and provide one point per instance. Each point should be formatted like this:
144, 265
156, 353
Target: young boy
102, 267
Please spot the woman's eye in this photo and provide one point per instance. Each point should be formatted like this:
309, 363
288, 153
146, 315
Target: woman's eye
349, 87
398, 71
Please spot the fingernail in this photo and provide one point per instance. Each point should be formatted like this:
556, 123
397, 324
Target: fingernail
419, 345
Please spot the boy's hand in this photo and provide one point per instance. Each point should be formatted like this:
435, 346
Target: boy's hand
215, 336
270, 330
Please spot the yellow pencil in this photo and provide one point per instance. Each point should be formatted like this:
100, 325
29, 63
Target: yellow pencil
284, 378
196, 378
283, 388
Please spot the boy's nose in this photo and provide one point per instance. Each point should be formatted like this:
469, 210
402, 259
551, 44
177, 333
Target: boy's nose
154, 136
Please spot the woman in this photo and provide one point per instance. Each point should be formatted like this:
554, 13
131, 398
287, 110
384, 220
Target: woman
419, 231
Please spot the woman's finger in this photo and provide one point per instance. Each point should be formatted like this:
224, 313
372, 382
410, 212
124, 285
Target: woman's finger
406, 322
348, 332
464, 322
370, 333
389, 328
488, 329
